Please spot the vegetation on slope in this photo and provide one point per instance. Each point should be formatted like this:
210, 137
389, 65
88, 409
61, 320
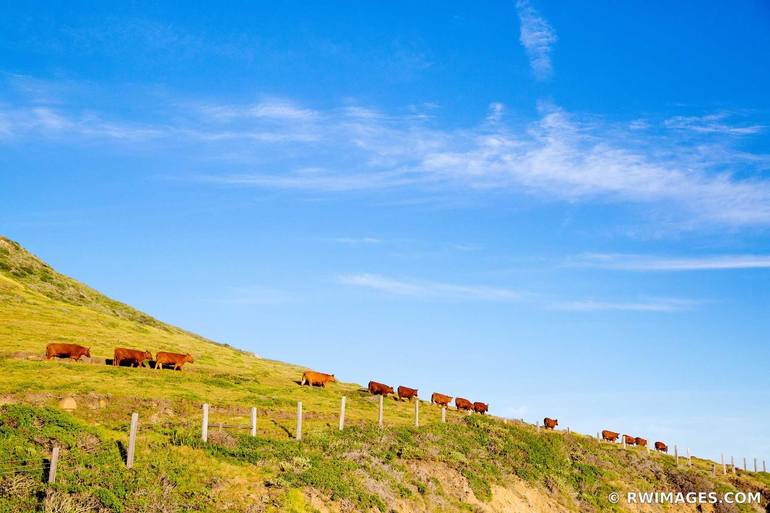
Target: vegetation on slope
459, 466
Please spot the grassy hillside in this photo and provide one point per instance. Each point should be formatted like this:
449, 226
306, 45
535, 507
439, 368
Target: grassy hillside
471, 463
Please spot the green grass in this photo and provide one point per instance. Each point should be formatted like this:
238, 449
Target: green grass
364, 468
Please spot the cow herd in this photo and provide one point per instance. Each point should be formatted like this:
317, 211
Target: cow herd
611, 436
121, 355
137, 358
320, 379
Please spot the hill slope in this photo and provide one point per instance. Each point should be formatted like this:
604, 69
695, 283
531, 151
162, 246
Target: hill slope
469, 463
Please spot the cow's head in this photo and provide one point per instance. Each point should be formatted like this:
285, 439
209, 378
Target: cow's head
147, 355
88, 352
555, 422
188, 358
389, 390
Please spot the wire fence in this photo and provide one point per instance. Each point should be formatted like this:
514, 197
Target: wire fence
256, 422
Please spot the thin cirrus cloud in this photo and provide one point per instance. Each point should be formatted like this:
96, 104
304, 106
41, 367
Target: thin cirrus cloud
691, 169
271, 108
661, 263
538, 37
427, 289
712, 124
437, 291
659, 305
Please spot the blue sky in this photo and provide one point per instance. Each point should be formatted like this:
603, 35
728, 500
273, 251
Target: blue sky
557, 208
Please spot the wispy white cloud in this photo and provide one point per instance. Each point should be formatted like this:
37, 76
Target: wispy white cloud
272, 108
281, 144
357, 240
711, 124
429, 290
314, 180
47, 121
662, 263
424, 289
661, 305
538, 37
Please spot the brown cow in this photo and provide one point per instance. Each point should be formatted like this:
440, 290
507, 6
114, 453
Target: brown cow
610, 436
72, 351
136, 357
550, 423
481, 408
317, 379
406, 393
641, 442
175, 359
463, 404
630, 440
660, 446
379, 388
440, 399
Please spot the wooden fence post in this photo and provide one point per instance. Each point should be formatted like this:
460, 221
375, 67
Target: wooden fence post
722, 460
732, 463
624, 442
744, 463
132, 440
676, 455
299, 421
538, 427
764, 467
755, 464
443, 414
253, 421
417, 413
380, 415
205, 423
54, 464
342, 413
568, 431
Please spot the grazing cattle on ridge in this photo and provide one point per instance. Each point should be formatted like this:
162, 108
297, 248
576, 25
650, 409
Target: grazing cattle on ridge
175, 359
463, 404
317, 379
136, 357
379, 388
481, 408
630, 440
440, 399
610, 436
660, 446
406, 392
549, 423
641, 442
72, 351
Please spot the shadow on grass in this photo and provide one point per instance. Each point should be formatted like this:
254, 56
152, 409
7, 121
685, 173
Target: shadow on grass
283, 428
122, 450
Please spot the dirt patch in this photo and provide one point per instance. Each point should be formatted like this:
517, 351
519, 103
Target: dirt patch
516, 497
